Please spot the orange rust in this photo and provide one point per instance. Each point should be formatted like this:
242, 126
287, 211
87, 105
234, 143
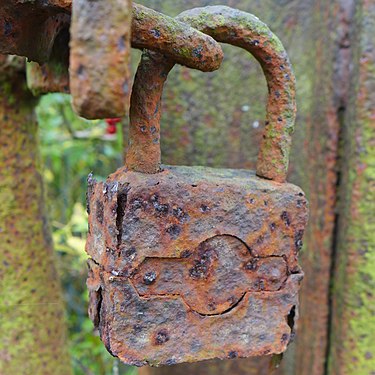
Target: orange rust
187, 251
31, 26
177, 252
240, 29
202, 279
101, 34
100, 43
100, 57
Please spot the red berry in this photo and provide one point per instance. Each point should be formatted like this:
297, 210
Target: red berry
111, 129
112, 121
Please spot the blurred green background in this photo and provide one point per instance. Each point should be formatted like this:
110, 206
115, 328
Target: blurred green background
72, 148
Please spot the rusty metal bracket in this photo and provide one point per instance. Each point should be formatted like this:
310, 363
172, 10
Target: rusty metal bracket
31, 26
100, 57
100, 39
51, 76
32, 29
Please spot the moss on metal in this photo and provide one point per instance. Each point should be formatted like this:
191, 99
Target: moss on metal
31, 309
352, 349
243, 30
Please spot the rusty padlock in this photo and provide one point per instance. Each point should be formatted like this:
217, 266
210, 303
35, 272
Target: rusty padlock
193, 263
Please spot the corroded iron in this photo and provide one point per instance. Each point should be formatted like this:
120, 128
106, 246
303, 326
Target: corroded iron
99, 57
100, 41
240, 29
29, 27
174, 39
193, 263
33, 28
51, 76
150, 29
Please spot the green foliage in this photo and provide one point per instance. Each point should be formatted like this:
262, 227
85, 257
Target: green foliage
72, 148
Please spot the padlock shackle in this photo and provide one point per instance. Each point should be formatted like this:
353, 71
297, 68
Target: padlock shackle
237, 28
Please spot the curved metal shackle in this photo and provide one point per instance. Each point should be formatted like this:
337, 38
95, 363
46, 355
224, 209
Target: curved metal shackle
240, 29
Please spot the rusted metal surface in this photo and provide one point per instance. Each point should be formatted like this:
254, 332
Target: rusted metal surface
93, 65
98, 70
150, 29
212, 279
189, 136
47, 78
100, 42
239, 366
30, 27
191, 250
100, 57
234, 27
103, 60
51, 76
174, 39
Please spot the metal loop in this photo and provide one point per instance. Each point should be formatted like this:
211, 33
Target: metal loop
31, 29
240, 29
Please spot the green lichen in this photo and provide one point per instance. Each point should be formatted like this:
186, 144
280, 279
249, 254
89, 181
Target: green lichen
32, 310
353, 326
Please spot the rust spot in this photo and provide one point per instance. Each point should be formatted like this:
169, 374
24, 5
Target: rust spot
130, 253
204, 208
252, 265
155, 33
298, 240
197, 52
80, 70
185, 254
149, 278
285, 337
99, 211
232, 355
286, 218
173, 230
161, 337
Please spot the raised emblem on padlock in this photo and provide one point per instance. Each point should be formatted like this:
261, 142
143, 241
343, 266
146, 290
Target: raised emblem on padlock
194, 263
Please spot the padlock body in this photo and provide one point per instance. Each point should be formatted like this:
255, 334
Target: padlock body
194, 263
